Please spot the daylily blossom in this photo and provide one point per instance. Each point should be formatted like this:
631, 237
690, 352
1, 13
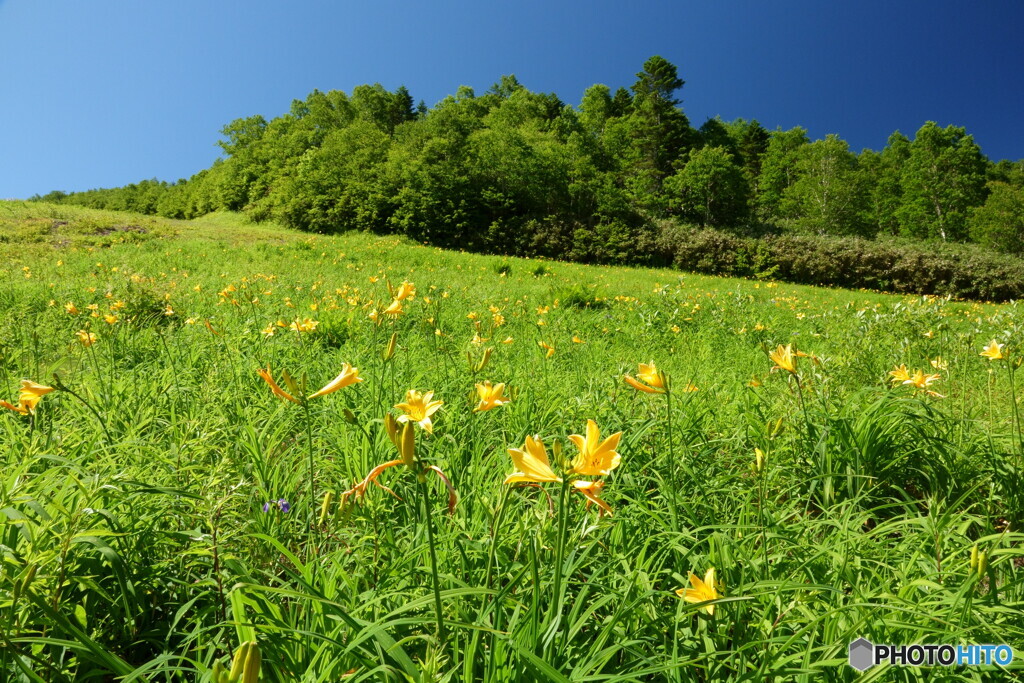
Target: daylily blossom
548, 348
651, 380
405, 291
28, 397
596, 458
900, 375
994, 351
491, 396
395, 309
702, 591
71, 308
86, 338
531, 463
591, 490
347, 377
922, 381
783, 358
304, 325
418, 408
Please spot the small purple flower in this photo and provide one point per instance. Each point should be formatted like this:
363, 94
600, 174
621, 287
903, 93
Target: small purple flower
283, 505
266, 507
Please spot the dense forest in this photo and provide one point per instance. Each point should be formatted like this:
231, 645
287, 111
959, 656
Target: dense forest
622, 177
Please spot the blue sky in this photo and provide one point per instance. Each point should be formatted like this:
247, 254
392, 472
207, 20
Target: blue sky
104, 93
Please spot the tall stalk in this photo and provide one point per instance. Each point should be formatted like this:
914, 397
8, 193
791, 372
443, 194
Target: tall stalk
421, 479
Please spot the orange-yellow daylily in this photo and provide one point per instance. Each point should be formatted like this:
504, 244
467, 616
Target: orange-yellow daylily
702, 591
591, 490
274, 387
491, 396
531, 463
28, 397
922, 381
71, 308
405, 291
900, 375
994, 351
783, 358
304, 325
86, 338
550, 350
651, 380
418, 408
347, 377
596, 458
395, 309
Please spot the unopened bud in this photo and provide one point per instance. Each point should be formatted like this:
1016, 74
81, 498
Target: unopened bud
326, 507
974, 557
389, 352
291, 383
252, 664
485, 359
982, 562
408, 447
238, 663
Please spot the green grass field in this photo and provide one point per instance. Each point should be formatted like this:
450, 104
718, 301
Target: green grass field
163, 506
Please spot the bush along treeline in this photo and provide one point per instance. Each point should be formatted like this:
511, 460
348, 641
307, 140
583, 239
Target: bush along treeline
611, 180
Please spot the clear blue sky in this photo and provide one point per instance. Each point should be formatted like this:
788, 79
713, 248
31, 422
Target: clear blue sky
108, 92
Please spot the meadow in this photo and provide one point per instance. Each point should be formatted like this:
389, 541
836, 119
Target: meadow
710, 479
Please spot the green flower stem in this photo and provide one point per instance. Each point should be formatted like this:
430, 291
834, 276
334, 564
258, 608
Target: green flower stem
421, 479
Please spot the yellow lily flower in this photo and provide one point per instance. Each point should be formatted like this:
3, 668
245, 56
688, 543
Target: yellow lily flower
304, 325
28, 397
900, 375
783, 358
491, 396
531, 462
71, 308
347, 377
405, 291
702, 591
591, 490
86, 338
922, 381
652, 380
548, 348
994, 351
278, 391
395, 309
110, 318
418, 408
596, 458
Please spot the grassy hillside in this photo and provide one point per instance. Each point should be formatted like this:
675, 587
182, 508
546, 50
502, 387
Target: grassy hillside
163, 505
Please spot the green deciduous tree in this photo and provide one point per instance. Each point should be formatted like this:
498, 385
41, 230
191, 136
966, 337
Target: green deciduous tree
829, 195
999, 222
942, 178
710, 189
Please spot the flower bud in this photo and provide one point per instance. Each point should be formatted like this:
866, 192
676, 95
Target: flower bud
389, 352
982, 562
252, 664
408, 444
326, 507
238, 663
974, 557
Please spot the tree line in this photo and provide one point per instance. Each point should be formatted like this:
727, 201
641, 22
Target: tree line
524, 173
